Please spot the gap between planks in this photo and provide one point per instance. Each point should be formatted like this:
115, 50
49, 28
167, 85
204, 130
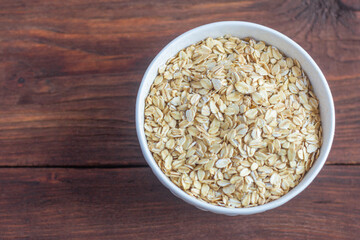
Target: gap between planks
112, 166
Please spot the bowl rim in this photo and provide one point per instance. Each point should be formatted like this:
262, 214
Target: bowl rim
200, 203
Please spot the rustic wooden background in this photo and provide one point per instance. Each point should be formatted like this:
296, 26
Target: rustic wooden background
70, 163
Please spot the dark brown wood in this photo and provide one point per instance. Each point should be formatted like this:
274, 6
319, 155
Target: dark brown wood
70, 70
70, 162
131, 204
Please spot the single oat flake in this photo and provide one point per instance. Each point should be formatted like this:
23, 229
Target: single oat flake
233, 122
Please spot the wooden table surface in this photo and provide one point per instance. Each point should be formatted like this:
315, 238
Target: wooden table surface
70, 162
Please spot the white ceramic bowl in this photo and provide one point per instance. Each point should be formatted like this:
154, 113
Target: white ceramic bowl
241, 30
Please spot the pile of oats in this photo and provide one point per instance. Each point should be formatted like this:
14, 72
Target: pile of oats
233, 122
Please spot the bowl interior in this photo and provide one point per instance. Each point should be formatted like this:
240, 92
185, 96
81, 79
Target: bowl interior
271, 37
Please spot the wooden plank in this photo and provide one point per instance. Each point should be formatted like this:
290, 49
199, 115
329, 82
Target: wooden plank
45, 203
82, 125
70, 70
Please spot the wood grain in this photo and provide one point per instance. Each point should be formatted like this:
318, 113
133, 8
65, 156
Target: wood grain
70, 70
70, 162
131, 204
